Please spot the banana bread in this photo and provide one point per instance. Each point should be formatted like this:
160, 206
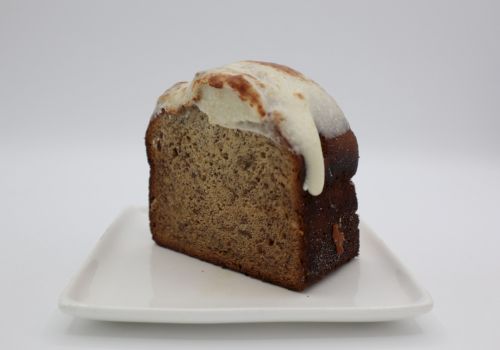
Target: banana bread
250, 169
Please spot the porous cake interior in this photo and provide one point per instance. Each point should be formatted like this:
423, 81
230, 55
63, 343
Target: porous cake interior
226, 196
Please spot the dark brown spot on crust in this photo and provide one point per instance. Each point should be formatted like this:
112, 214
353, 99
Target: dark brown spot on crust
216, 81
299, 95
282, 68
246, 91
338, 238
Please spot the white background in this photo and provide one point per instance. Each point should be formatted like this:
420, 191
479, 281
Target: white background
419, 82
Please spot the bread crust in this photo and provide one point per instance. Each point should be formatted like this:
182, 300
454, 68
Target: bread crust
333, 210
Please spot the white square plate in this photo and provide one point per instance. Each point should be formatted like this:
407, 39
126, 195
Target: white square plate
129, 278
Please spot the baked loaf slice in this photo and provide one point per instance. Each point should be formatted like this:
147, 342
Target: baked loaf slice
250, 169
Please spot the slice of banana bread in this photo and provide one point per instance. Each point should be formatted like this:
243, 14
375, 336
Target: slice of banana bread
236, 197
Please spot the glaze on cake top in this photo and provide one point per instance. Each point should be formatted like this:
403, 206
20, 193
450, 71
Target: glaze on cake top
268, 99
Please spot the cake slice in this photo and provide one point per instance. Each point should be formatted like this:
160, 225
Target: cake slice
250, 169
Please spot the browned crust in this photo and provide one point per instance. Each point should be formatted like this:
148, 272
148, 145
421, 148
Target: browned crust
336, 206
216, 81
153, 183
239, 84
282, 68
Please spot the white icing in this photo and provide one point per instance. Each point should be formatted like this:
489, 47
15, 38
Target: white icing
277, 103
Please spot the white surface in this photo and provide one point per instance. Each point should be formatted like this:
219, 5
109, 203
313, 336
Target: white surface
129, 278
419, 82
